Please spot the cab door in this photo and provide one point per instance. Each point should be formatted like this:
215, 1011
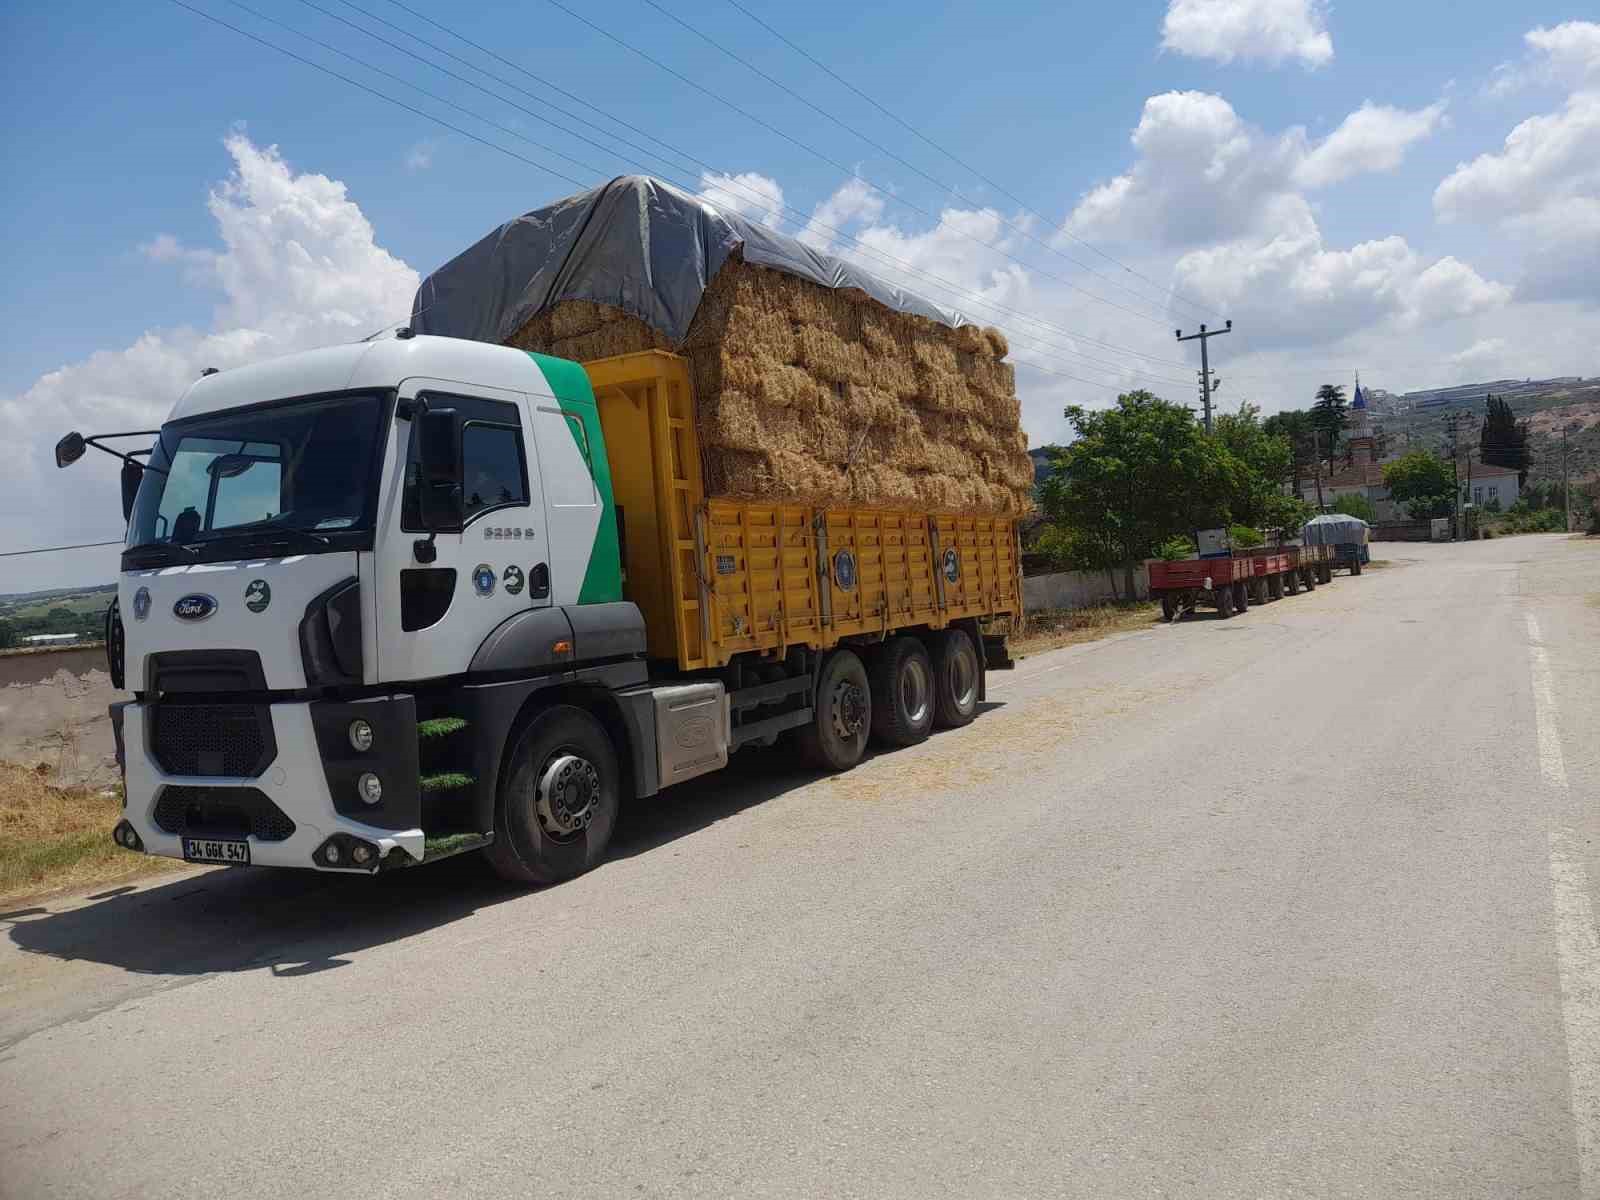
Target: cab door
433, 615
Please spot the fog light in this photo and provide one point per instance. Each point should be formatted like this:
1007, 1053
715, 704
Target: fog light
360, 735
330, 854
370, 787
361, 854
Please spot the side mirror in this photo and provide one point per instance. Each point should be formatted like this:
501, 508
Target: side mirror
69, 449
439, 459
132, 477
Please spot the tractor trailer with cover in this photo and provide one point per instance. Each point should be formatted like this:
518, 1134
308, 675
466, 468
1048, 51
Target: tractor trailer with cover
386, 602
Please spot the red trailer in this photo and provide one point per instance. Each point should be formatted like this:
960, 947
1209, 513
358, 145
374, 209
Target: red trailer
1190, 582
1271, 573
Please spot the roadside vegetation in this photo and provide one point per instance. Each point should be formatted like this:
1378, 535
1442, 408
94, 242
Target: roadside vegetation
1050, 629
60, 837
79, 611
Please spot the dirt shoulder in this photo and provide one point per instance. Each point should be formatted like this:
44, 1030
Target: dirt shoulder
1050, 629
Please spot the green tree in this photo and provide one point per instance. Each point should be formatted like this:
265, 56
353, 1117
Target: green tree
1354, 504
1423, 482
1328, 419
1504, 439
1267, 459
1136, 474
1295, 425
8, 635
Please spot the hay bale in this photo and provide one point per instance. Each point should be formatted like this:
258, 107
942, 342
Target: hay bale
969, 339
754, 331
572, 318
998, 346
828, 356
789, 387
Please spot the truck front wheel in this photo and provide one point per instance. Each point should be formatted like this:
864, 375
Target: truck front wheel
842, 717
902, 692
558, 798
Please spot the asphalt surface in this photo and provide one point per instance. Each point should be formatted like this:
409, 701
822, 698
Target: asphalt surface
1296, 904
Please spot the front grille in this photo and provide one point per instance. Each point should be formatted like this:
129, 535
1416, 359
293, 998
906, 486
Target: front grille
221, 812
228, 740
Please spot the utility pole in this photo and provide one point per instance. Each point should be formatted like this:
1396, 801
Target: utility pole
1316, 464
1206, 385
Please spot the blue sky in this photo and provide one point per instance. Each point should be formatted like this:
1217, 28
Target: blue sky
122, 126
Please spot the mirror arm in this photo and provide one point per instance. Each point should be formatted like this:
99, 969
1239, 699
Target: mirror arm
95, 442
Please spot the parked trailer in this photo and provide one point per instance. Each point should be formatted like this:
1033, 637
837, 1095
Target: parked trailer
1190, 582
1271, 572
1309, 566
1343, 537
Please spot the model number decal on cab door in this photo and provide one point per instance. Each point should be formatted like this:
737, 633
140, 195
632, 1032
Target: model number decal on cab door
507, 533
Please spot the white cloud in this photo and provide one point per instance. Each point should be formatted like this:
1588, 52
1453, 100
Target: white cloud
1543, 189
855, 200
1373, 138
748, 193
1270, 30
1567, 55
420, 156
298, 267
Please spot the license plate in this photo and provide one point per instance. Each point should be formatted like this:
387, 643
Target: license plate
210, 850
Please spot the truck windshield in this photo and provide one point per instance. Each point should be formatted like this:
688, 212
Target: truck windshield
299, 471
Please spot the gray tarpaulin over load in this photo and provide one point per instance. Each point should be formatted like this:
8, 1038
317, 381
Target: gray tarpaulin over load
635, 244
1335, 529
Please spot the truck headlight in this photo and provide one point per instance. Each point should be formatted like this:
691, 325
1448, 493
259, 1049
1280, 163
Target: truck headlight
361, 736
370, 787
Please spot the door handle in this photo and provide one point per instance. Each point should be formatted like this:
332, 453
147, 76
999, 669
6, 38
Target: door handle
539, 582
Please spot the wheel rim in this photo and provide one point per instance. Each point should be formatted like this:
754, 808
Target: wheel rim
567, 796
848, 709
915, 692
964, 676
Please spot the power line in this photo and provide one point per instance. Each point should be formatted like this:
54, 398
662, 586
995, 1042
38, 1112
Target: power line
54, 549
882, 149
834, 163
971, 297
728, 177
965, 166
795, 215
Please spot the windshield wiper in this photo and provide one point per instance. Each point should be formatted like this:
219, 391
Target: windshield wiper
286, 534
160, 554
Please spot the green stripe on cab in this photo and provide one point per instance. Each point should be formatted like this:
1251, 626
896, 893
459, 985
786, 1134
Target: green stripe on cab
569, 383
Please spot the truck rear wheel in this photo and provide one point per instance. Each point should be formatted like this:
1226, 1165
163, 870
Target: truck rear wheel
837, 736
1225, 601
558, 798
956, 675
902, 692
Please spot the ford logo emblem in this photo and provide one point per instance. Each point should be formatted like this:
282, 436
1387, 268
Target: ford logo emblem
194, 607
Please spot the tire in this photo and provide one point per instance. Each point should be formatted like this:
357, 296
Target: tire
1291, 581
901, 678
1241, 596
1325, 573
1169, 607
957, 674
1225, 602
1275, 586
837, 736
1311, 574
1355, 567
562, 757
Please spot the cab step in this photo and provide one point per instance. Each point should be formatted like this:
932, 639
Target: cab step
446, 781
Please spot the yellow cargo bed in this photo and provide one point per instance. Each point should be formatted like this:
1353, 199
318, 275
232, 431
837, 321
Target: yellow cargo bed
718, 577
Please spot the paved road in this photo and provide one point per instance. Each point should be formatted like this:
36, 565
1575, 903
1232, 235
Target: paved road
1298, 904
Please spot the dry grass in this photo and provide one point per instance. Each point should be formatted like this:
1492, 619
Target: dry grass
1051, 629
53, 838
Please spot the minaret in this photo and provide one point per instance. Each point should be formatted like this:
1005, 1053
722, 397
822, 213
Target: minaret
1362, 446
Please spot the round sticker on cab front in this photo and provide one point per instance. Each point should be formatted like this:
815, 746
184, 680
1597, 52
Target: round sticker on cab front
483, 578
513, 579
257, 595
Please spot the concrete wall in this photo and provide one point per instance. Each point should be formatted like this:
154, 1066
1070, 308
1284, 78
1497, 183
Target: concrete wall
1078, 589
53, 711
1402, 531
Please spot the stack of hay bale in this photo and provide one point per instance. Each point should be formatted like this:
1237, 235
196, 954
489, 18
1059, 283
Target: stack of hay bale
824, 396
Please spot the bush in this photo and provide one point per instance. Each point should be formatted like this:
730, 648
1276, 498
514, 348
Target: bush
1243, 537
1356, 505
1175, 548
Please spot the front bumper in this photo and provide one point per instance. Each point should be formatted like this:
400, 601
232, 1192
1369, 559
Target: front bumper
296, 783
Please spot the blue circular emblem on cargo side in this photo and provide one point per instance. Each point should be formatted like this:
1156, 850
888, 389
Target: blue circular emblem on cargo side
844, 570
483, 579
194, 607
952, 565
